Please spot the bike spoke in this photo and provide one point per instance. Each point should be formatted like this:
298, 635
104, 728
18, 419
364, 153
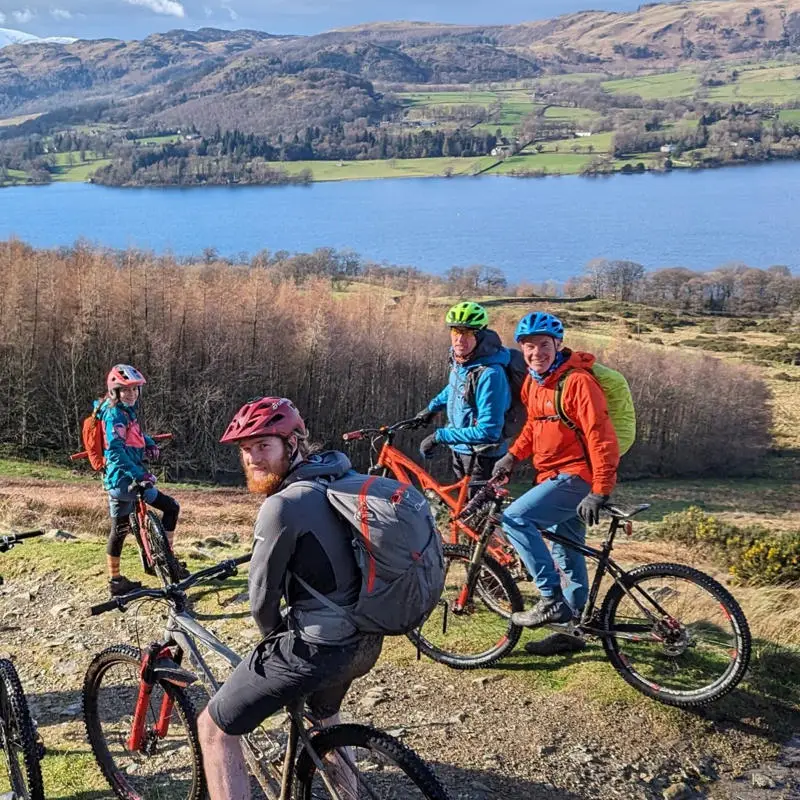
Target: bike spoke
360, 773
477, 628
163, 769
688, 650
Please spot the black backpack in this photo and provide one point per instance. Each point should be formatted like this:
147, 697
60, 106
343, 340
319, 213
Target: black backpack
516, 371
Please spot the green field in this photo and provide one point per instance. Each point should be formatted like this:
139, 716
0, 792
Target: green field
655, 87
65, 172
578, 115
515, 104
552, 163
393, 168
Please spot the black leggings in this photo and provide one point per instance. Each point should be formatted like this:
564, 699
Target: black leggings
121, 526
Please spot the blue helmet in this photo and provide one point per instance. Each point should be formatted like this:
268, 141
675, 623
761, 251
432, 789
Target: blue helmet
539, 322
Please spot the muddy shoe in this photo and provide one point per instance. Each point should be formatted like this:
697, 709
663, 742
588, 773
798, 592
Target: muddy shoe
548, 610
555, 644
121, 585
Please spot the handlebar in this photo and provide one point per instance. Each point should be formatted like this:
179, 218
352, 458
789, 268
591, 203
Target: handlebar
383, 430
159, 437
7, 542
224, 569
491, 490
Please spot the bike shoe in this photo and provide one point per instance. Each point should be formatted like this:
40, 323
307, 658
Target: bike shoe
548, 610
121, 585
555, 644
183, 571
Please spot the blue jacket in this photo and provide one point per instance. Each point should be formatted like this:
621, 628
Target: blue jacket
124, 444
480, 422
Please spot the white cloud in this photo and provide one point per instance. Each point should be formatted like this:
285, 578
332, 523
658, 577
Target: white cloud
60, 13
23, 15
208, 11
170, 7
2, 17
231, 12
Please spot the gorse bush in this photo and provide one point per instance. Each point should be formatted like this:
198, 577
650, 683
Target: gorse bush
210, 336
753, 553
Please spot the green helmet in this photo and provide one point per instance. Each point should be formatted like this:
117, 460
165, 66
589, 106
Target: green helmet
467, 315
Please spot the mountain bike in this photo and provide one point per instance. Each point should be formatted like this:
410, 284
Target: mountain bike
141, 722
19, 739
671, 631
448, 499
155, 551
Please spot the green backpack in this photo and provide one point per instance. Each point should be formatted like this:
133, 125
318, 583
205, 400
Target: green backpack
619, 399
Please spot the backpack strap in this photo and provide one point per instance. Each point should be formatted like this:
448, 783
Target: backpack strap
558, 400
326, 601
471, 384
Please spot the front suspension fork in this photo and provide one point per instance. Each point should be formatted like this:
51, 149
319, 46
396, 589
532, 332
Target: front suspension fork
138, 735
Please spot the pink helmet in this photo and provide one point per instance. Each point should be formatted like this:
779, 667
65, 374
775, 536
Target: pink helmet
265, 416
122, 375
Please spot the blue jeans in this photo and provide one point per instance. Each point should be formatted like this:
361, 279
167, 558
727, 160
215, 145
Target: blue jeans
551, 506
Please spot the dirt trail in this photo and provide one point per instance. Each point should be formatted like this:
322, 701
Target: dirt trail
567, 728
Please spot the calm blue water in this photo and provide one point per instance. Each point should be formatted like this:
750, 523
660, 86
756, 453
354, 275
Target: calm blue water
532, 229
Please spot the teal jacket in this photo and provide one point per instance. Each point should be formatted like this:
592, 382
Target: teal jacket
481, 421
123, 445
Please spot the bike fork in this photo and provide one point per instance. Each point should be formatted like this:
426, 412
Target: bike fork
136, 739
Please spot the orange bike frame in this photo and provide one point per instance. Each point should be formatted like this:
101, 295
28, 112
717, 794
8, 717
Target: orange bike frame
453, 495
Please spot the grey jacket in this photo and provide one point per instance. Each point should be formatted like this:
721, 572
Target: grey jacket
297, 531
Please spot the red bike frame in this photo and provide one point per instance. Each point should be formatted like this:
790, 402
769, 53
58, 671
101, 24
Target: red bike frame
454, 495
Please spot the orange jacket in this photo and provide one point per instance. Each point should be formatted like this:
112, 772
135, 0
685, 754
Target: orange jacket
553, 447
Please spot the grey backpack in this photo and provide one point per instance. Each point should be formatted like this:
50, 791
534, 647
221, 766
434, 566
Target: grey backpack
397, 548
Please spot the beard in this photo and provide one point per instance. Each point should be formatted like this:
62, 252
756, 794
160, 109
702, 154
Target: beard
265, 483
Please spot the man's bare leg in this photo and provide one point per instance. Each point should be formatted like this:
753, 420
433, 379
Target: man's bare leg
226, 771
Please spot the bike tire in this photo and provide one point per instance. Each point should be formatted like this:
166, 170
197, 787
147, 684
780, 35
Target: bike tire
720, 645
164, 561
485, 627
18, 734
124, 781
392, 753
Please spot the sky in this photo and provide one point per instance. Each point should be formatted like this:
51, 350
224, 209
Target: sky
135, 19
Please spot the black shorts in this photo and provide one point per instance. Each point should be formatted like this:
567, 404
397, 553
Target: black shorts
284, 668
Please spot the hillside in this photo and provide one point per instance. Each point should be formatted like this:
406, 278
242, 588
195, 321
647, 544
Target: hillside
193, 63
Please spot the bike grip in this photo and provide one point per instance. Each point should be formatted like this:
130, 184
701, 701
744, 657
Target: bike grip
243, 559
161, 437
28, 534
76, 456
352, 436
101, 608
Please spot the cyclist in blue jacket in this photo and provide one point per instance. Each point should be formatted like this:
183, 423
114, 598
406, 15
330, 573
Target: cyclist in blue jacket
477, 396
125, 446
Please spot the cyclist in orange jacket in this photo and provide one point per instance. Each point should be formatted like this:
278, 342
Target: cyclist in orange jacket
576, 470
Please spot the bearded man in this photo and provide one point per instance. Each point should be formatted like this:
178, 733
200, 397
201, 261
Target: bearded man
310, 651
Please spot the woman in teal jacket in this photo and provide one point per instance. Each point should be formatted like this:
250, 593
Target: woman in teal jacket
124, 447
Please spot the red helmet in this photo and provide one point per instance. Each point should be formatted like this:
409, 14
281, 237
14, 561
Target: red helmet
265, 416
124, 375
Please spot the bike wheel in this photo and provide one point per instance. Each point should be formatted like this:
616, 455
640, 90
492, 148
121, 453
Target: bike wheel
685, 643
482, 632
364, 762
164, 561
168, 768
18, 737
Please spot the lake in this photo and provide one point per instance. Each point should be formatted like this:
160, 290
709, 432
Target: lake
532, 229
